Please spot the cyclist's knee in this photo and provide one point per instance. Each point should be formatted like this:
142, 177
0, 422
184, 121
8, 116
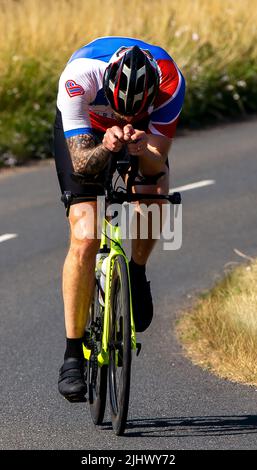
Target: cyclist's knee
84, 251
83, 223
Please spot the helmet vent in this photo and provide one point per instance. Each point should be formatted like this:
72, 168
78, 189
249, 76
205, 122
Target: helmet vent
131, 82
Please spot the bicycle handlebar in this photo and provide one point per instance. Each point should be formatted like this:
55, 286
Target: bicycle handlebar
106, 189
119, 197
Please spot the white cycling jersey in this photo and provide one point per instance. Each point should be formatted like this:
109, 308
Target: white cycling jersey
81, 98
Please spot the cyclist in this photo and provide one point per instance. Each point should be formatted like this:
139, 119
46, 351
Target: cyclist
115, 92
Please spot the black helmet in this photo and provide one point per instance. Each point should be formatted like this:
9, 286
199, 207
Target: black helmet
131, 81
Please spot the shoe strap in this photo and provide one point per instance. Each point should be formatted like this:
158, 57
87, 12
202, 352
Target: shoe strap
72, 373
72, 364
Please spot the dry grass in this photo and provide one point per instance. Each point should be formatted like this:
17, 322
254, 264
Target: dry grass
220, 333
214, 42
56, 28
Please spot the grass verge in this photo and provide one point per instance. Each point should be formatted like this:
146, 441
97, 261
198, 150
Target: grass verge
220, 332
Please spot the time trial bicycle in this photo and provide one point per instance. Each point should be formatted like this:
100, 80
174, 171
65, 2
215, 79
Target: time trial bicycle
110, 336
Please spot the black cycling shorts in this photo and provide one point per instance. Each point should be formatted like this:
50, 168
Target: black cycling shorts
63, 161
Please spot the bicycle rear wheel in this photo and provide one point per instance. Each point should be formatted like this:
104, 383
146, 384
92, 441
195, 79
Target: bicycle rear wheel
119, 345
96, 375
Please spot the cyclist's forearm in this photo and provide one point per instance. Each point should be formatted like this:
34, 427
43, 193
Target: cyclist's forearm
86, 156
151, 161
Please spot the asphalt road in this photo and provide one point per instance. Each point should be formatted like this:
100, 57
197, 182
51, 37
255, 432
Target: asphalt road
174, 404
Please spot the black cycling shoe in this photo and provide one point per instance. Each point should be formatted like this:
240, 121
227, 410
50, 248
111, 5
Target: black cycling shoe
71, 383
142, 302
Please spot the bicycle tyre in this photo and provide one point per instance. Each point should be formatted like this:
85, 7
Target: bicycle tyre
96, 375
119, 345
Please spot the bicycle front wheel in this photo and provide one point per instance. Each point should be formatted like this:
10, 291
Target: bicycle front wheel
96, 375
119, 345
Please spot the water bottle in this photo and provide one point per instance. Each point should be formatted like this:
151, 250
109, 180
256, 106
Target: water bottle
103, 280
101, 265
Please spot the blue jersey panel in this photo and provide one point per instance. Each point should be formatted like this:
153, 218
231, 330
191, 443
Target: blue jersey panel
104, 48
169, 111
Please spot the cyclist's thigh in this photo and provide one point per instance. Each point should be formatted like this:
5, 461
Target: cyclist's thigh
84, 223
161, 187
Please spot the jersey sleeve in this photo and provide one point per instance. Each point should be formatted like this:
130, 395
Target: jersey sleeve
169, 102
76, 90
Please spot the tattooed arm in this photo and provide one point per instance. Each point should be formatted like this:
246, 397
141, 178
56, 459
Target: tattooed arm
87, 155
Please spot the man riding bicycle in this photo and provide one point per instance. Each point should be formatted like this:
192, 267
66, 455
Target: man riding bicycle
115, 94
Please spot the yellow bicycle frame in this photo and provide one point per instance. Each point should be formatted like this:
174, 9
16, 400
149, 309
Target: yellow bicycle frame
113, 239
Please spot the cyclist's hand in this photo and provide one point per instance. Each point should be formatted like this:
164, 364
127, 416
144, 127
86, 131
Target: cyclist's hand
128, 131
113, 139
138, 143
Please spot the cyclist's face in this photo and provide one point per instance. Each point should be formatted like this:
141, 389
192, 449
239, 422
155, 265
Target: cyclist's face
122, 118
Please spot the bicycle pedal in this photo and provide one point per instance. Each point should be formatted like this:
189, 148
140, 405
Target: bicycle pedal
139, 347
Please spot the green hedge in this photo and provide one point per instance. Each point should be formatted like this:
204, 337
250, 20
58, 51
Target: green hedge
28, 97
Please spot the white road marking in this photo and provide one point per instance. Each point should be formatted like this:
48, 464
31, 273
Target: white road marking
188, 187
7, 236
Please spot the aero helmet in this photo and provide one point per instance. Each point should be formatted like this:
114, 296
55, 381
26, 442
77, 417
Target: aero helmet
131, 81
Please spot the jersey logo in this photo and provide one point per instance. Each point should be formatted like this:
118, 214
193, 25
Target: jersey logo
73, 89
